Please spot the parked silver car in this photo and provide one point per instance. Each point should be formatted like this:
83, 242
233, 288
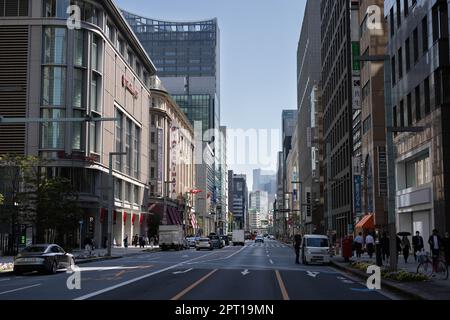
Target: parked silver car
204, 243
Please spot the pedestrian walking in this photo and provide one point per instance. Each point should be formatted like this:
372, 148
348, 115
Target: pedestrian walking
370, 245
297, 244
135, 241
141, 242
399, 246
435, 243
406, 247
358, 242
125, 241
418, 245
385, 246
446, 245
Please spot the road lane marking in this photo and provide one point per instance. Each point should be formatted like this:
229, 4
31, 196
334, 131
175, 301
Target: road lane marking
96, 293
19, 289
245, 272
4, 279
182, 272
271, 262
192, 286
312, 273
282, 286
226, 258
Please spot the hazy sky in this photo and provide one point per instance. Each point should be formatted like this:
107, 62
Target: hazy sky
258, 56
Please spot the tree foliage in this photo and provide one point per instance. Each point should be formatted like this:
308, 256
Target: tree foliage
32, 197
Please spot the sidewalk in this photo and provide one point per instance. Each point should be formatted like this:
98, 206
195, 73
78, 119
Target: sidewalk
433, 289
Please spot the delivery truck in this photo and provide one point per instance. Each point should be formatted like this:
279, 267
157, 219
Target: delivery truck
171, 237
238, 238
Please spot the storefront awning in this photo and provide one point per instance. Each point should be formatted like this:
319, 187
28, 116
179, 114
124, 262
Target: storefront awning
367, 222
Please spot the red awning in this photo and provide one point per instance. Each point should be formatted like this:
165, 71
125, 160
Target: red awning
124, 218
367, 222
133, 218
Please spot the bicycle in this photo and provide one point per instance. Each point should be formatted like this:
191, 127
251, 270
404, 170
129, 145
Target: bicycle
432, 267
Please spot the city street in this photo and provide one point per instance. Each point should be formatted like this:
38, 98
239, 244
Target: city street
254, 272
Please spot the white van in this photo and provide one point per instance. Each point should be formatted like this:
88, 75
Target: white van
315, 249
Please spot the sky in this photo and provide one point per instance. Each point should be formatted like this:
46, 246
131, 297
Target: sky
258, 58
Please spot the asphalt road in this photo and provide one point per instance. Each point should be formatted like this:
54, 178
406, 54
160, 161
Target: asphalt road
254, 272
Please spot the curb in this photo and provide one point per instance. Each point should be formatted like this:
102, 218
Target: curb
386, 283
96, 259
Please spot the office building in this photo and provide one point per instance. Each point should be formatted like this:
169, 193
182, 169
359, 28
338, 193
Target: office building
238, 199
99, 70
337, 100
373, 42
308, 79
418, 47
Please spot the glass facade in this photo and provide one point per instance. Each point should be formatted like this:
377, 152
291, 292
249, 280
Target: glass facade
196, 107
178, 47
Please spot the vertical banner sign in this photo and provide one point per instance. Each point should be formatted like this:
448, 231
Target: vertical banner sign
160, 160
357, 193
174, 158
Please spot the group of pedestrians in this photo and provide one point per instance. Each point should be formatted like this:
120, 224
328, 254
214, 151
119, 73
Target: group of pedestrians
437, 245
140, 241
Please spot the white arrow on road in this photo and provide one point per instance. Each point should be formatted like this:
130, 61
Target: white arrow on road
312, 273
182, 272
245, 272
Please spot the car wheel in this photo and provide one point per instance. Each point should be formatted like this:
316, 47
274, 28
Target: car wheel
53, 268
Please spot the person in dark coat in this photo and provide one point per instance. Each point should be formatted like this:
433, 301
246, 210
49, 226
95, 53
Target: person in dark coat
446, 245
435, 242
125, 241
406, 246
297, 244
418, 244
385, 246
399, 246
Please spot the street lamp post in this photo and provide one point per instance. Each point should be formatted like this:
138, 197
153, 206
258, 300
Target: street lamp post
111, 199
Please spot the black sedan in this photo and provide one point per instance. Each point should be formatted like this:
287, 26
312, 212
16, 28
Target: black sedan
42, 257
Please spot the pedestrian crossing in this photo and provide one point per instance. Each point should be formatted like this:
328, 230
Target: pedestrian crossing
267, 245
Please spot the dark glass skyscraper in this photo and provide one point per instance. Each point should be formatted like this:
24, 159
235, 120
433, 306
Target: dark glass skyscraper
187, 56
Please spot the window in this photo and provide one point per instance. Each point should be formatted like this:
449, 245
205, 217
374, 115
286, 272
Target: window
77, 131
391, 22
153, 137
78, 86
52, 133
127, 192
79, 48
395, 120
128, 146
53, 87
407, 55
367, 124
94, 136
13, 8
418, 171
400, 63
402, 114
136, 198
416, 45
95, 87
55, 45
405, 7
118, 137
409, 109
111, 33
152, 155
393, 70
56, 8
425, 35
418, 106
399, 13
426, 93
121, 44
94, 52
437, 87
136, 151
130, 57
118, 189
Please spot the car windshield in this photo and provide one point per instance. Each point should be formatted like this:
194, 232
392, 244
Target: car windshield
34, 249
204, 240
214, 237
317, 243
